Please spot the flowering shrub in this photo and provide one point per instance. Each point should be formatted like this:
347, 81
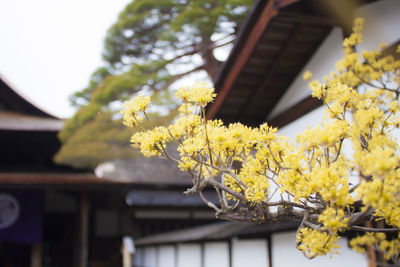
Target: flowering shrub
248, 167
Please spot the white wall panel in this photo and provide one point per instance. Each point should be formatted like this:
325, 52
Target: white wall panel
138, 257
149, 257
189, 255
250, 252
166, 256
382, 22
284, 253
216, 254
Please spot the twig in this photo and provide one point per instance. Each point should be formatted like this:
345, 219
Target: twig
209, 203
375, 230
224, 188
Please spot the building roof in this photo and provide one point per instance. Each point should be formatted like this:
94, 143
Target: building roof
12, 100
167, 198
215, 231
146, 171
18, 114
28, 139
10, 120
274, 45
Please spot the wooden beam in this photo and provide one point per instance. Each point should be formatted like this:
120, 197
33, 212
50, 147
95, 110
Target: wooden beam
282, 3
269, 11
306, 19
54, 178
271, 70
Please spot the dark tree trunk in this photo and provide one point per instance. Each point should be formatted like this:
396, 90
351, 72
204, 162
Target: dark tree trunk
211, 64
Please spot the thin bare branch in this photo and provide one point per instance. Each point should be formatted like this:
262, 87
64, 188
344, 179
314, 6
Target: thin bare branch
375, 230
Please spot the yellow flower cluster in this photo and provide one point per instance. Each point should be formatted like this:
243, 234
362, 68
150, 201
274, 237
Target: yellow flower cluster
334, 220
200, 94
355, 38
186, 108
152, 142
251, 165
389, 248
132, 108
315, 243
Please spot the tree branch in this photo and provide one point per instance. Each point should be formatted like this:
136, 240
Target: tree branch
375, 230
178, 76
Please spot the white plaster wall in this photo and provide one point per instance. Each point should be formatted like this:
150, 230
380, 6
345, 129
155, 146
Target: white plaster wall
216, 254
166, 256
189, 255
149, 257
300, 125
285, 254
247, 253
138, 257
320, 65
382, 22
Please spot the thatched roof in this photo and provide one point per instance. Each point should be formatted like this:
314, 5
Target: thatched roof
150, 171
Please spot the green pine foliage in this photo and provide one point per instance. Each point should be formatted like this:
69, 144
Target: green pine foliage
152, 45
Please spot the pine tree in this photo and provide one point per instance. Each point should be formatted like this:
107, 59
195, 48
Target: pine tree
152, 45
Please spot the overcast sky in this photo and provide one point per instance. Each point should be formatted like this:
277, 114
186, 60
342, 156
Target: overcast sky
49, 48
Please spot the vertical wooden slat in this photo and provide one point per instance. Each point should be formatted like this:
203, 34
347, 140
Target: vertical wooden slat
269, 249
158, 262
83, 230
202, 254
36, 255
176, 254
230, 253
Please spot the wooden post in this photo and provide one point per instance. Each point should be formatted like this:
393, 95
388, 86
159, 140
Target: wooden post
379, 255
371, 255
83, 230
36, 255
126, 257
128, 248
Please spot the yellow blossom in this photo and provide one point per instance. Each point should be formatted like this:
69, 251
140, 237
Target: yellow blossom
132, 108
199, 94
315, 243
307, 75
